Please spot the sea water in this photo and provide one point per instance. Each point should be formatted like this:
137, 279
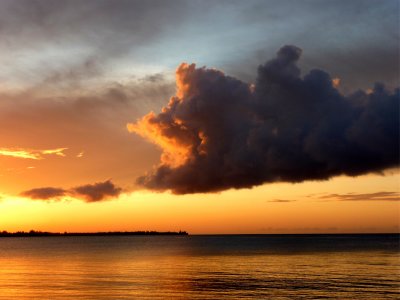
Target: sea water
201, 267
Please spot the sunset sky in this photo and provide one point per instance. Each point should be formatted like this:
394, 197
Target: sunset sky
205, 116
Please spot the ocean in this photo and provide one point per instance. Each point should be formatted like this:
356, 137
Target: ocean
201, 267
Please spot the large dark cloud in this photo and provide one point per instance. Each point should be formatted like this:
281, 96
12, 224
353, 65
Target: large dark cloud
220, 133
95, 192
358, 43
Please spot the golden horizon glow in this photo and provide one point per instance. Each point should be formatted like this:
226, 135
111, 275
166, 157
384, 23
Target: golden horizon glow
233, 211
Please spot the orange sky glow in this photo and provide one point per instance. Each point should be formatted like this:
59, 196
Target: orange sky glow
367, 203
198, 123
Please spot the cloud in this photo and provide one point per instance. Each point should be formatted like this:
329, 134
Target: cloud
31, 154
58, 151
281, 200
219, 132
19, 153
361, 57
80, 39
44, 193
378, 196
96, 192
92, 122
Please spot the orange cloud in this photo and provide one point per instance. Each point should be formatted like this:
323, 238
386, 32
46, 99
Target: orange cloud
178, 142
58, 151
176, 147
336, 82
31, 154
19, 153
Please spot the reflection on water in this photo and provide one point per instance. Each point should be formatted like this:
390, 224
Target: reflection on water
200, 267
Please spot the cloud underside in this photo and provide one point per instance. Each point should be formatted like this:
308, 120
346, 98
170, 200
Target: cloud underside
219, 132
89, 193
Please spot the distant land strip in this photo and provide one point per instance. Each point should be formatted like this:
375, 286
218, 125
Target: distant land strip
34, 233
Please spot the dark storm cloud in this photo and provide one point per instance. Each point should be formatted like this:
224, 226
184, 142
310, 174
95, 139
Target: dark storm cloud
97, 191
379, 196
357, 40
44, 193
89, 193
220, 133
358, 66
361, 65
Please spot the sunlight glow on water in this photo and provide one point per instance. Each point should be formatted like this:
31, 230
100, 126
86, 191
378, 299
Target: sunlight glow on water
200, 267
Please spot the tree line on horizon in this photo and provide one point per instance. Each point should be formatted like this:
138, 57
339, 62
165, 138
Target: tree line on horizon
31, 233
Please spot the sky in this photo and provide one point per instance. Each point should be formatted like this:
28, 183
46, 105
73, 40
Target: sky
210, 117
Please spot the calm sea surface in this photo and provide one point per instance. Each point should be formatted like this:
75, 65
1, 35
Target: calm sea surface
201, 267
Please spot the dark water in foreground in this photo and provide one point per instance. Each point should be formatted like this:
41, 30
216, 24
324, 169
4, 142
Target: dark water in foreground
201, 267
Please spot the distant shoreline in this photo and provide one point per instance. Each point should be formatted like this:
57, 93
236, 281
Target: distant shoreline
34, 233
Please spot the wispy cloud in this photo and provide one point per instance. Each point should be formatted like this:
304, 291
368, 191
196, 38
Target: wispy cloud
58, 151
378, 196
30, 153
281, 200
